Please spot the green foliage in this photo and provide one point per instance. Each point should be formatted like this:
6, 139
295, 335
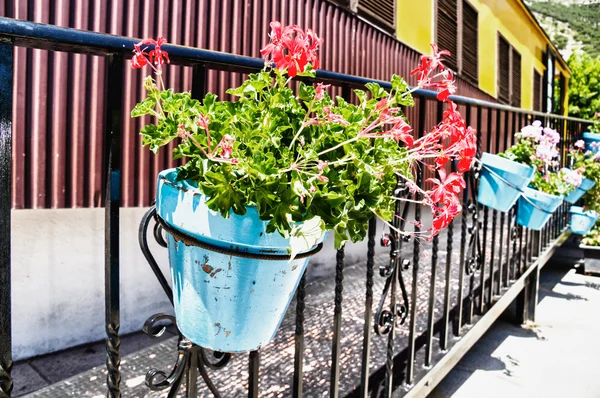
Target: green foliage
593, 237
551, 183
560, 41
584, 86
587, 162
584, 19
298, 159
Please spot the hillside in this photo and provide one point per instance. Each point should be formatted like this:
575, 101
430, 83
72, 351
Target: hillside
573, 25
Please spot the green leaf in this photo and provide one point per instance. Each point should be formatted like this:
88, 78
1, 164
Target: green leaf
146, 107
375, 89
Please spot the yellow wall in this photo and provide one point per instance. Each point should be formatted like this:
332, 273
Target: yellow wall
415, 27
414, 21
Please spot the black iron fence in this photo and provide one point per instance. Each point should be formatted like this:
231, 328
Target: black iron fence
479, 265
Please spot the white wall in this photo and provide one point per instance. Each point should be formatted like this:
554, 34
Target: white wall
58, 277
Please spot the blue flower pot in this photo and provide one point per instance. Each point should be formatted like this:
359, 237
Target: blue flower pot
577, 194
502, 181
590, 138
535, 208
223, 302
582, 221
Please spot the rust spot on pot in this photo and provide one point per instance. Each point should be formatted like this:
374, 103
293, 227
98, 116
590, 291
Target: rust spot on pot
227, 333
215, 272
205, 267
283, 272
219, 326
252, 291
294, 267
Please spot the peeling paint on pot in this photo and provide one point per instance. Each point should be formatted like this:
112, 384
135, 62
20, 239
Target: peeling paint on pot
223, 302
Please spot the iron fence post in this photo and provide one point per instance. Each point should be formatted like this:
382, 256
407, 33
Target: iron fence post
6, 80
114, 107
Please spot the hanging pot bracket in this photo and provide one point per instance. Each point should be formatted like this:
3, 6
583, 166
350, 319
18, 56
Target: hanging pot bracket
192, 360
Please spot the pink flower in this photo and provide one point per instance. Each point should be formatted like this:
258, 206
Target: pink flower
181, 132
572, 177
291, 48
139, 60
402, 132
580, 144
321, 165
320, 91
448, 186
203, 122
334, 117
533, 131
226, 146
157, 56
427, 73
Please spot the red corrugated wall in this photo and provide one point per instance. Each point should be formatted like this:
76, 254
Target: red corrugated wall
58, 97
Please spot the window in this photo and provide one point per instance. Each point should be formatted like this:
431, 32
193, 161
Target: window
515, 78
380, 10
509, 73
447, 30
537, 91
457, 32
503, 70
470, 43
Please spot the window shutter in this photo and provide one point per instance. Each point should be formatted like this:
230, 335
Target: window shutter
537, 91
503, 70
470, 58
515, 79
382, 10
447, 30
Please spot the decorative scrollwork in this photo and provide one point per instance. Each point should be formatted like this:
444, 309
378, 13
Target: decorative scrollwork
388, 318
191, 359
113, 360
6, 383
474, 259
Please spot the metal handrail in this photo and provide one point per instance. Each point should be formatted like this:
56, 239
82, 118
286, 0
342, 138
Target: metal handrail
56, 38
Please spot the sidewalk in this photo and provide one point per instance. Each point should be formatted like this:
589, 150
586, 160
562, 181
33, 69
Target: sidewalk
558, 356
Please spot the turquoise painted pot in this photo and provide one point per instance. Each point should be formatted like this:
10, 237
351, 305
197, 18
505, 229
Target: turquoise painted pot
223, 302
589, 139
578, 193
535, 208
582, 221
502, 181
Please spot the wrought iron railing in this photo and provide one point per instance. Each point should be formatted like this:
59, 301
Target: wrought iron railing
489, 261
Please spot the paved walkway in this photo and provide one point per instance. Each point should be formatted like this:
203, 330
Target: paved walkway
558, 356
554, 358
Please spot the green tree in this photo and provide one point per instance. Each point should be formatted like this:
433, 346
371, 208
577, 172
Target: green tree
584, 86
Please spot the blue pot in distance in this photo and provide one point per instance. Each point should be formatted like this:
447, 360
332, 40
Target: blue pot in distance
223, 302
582, 221
535, 208
578, 193
502, 181
590, 138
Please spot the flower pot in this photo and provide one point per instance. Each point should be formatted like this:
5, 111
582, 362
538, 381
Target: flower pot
535, 208
589, 139
578, 193
502, 181
592, 258
224, 302
582, 221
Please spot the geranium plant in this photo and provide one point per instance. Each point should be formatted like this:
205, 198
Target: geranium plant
588, 164
595, 127
308, 162
537, 147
